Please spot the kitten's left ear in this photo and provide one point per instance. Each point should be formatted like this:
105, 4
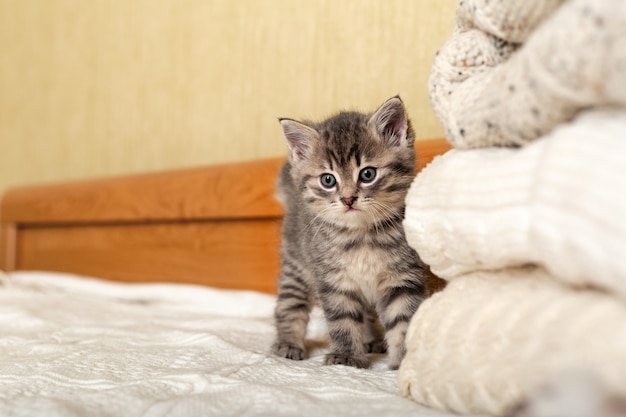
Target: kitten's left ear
392, 124
299, 138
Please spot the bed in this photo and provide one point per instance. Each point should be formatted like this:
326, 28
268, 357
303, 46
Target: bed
153, 295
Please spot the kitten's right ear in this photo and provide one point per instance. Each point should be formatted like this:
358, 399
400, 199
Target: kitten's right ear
299, 138
391, 123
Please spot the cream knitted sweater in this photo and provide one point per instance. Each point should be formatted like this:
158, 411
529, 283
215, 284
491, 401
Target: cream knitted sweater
526, 219
501, 328
513, 70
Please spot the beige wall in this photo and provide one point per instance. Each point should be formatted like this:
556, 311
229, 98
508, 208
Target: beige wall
99, 87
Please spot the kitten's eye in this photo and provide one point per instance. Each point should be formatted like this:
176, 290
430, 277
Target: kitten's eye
328, 180
367, 174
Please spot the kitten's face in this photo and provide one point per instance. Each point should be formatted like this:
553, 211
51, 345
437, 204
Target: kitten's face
366, 190
353, 170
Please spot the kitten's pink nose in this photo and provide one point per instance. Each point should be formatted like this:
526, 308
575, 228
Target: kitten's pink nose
348, 201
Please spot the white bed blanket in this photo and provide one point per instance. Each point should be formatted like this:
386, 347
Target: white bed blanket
73, 346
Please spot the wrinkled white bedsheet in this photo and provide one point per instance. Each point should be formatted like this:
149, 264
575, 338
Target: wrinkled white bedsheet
72, 346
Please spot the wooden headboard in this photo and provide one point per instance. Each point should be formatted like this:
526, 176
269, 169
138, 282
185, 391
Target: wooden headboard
217, 226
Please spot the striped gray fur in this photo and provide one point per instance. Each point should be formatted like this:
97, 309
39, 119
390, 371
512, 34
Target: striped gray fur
343, 244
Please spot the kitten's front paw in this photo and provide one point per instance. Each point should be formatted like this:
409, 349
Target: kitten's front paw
395, 358
342, 359
286, 350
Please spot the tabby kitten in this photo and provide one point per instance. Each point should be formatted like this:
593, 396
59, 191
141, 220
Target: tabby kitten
343, 244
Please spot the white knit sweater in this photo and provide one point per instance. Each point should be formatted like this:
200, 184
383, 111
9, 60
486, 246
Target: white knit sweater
526, 219
489, 89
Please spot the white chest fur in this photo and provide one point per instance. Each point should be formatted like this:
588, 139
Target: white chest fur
364, 270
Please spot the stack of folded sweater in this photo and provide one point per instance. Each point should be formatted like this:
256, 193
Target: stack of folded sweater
526, 217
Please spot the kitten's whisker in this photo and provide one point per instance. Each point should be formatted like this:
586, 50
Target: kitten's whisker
313, 220
378, 214
385, 213
372, 211
322, 217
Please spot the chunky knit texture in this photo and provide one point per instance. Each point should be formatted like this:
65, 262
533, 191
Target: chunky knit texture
478, 218
501, 328
514, 70
559, 202
525, 219
486, 342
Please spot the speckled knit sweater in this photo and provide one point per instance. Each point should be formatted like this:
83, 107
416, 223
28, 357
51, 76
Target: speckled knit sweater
513, 70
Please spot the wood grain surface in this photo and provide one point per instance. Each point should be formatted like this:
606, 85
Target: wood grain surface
225, 254
241, 190
8, 241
